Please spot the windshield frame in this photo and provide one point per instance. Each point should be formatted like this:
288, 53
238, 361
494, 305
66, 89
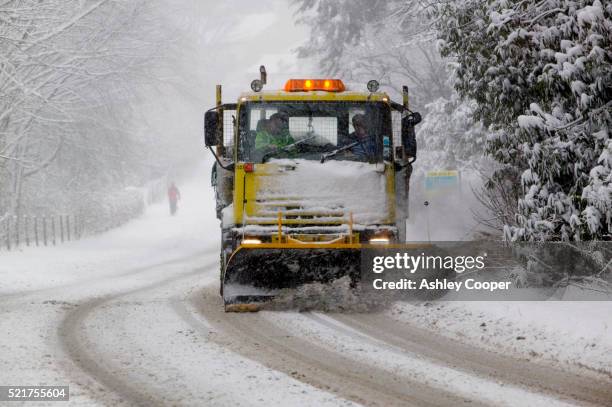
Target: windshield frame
380, 108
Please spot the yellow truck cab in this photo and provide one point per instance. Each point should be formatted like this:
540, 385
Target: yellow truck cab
304, 178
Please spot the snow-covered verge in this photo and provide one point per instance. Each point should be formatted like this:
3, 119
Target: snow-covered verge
572, 334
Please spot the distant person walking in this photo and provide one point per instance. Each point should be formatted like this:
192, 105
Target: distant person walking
174, 195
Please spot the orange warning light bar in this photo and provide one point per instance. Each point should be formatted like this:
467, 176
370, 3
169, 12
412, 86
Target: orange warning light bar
305, 85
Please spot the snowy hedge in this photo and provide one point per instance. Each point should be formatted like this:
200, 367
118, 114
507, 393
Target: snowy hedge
102, 211
541, 75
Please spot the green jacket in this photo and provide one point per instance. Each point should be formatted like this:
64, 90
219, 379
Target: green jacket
264, 139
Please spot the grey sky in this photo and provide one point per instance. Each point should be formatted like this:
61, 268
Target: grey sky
220, 42
250, 34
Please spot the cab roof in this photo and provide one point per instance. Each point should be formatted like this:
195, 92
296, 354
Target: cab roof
315, 96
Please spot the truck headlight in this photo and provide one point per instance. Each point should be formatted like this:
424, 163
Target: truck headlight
379, 240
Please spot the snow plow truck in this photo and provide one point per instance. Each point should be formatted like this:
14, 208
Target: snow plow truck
305, 178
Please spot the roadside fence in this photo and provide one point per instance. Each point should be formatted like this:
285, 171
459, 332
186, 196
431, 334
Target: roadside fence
34, 230
96, 213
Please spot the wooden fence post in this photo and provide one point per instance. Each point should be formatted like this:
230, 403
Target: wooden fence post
61, 224
53, 228
25, 230
8, 233
36, 229
16, 231
67, 227
44, 219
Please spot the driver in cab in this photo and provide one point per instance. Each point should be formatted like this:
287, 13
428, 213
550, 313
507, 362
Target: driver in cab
273, 134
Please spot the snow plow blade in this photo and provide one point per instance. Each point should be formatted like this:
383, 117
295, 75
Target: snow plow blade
254, 274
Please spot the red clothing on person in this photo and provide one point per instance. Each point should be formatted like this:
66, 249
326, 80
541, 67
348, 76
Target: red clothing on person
173, 193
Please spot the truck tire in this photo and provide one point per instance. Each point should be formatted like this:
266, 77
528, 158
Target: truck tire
227, 248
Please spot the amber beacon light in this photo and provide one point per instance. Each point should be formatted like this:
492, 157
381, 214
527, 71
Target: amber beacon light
305, 85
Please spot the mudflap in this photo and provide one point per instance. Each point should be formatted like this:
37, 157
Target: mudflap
254, 275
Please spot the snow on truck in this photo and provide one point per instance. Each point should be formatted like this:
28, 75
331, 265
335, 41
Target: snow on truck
305, 178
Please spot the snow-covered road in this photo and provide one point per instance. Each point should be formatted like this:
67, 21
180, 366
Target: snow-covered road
133, 317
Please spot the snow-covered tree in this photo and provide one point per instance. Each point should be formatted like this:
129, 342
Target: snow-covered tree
390, 41
541, 75
450, 135
73, 74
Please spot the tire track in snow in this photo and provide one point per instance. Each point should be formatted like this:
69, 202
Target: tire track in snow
80, 348
534, 376
260, 340
145, 355
252, 336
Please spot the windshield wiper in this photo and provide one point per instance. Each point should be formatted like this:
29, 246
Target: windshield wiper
332, 154
290, 146
285, 149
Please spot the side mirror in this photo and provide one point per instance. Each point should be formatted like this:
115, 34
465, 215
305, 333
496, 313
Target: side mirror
412, 119
408, 133
211, 128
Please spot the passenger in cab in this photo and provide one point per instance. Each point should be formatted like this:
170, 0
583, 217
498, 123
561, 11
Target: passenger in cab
365, 148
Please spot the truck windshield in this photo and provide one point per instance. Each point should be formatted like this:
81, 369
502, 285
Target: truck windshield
309, 129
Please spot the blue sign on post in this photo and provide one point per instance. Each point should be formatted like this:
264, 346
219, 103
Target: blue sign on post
442, 181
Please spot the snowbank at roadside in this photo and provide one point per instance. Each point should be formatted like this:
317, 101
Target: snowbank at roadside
573, 334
